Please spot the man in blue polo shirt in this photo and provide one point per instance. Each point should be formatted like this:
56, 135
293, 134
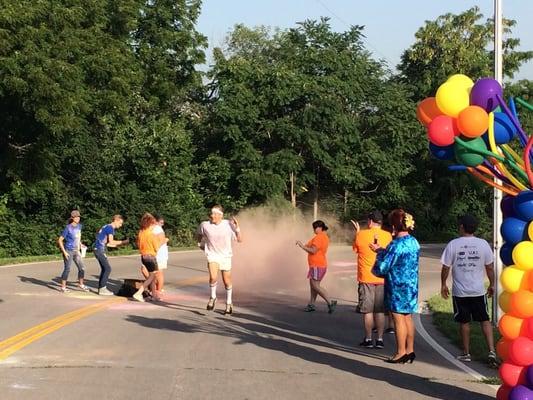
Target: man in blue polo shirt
104, 239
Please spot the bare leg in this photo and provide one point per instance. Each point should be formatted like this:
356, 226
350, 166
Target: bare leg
228, 284
160, 280
368, 321
379, 321
313, 293
401, 334
410, 339
464, 329
320, 290
487, 331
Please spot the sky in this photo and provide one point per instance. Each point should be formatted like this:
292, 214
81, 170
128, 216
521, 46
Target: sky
390, 25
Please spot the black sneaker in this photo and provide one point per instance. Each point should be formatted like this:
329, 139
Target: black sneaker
331, 306
367, 343
379, 344
211, 304
390, 331
374, 330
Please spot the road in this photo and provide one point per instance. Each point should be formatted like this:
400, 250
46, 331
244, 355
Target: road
119, 349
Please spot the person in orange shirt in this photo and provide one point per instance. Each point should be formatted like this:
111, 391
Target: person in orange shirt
148, 243
316, 250
370, 288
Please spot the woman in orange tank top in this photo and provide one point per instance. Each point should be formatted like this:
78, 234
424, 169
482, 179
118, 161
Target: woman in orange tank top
148, 244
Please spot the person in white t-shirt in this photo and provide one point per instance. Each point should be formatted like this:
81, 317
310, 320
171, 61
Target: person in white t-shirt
216, 237
469, 259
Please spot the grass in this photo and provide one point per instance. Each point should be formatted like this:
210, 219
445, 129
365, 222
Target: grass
58, 257
443, 319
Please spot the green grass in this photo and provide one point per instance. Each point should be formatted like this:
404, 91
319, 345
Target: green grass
443, 319
57, 257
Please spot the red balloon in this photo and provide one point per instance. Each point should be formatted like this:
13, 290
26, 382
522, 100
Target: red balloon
521, 351
512, 375
502, 348
528, 327
443, 130
503, 392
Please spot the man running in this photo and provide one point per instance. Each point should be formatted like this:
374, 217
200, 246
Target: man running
217, 236
104, 239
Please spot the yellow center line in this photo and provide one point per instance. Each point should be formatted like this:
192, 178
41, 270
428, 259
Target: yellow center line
25, 338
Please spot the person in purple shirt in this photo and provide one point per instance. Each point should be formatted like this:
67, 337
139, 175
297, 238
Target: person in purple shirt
70, 244
104, 239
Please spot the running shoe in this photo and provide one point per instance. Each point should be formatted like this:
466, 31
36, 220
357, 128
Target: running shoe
379, 344
310, 308
83, 287
229, 309
103, 291
465, 357
64, 290
211, 304
331, 306
367, 343
390, 331
492, 360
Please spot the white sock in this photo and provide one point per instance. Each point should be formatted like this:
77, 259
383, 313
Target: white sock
213, 287
229, 292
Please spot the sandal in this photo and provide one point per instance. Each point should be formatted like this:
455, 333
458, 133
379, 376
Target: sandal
84, 288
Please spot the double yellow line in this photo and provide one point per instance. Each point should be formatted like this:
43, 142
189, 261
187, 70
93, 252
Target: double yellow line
23, 339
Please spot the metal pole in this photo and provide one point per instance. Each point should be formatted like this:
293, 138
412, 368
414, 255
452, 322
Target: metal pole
497, 219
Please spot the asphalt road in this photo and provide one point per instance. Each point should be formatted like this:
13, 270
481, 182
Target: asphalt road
177, 350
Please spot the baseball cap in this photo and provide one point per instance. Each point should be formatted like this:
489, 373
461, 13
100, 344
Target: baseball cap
375, 216
74, 214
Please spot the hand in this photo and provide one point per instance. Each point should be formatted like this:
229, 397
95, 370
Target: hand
65, 255
375, 247
490, 291
445, 292
125, 241
356, 226
298, 243
235, 222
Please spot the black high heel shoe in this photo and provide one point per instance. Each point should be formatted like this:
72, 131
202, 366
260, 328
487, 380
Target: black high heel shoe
411, 357
401, 360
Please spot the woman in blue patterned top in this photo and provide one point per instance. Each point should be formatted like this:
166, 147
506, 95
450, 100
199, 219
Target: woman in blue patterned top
398, 264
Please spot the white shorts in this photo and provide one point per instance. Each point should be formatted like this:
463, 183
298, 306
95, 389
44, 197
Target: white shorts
162, 265
223, 265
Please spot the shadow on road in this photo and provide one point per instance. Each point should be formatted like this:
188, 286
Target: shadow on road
280, 328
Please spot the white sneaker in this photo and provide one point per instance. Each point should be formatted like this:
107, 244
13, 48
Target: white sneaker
138, 296
465, 357
103, 291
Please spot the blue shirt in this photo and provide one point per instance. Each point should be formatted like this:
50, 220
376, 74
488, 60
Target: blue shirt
72, 236
101, 236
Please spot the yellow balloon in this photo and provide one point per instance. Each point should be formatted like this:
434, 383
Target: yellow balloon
530, 231
462, 80
504, 300
513, 279
452, 98
523, 255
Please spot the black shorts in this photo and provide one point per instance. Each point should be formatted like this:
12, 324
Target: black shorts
466, 309
150, 262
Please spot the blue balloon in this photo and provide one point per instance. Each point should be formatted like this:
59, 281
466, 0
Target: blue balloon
507, 206
442, 152
513, 230
523, 205
504, 129
506, 254
521, 392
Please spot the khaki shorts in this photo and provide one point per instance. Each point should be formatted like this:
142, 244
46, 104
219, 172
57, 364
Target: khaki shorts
222, 266
371, 297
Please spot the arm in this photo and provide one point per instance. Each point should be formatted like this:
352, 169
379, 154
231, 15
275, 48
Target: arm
236, 229
490, 274
61, 243
444, 273
384, 261
111, 242
308, 249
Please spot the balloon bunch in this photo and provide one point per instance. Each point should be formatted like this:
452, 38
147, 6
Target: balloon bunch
471, 123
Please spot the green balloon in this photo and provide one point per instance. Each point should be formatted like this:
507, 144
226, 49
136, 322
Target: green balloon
468, 157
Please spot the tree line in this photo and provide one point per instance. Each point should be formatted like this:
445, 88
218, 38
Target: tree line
103, 108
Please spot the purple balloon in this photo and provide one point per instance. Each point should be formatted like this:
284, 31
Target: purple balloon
507, 207
484, 94
521, 392
529, 376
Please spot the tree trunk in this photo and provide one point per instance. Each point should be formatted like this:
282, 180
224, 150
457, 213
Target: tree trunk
346, 194
293, 193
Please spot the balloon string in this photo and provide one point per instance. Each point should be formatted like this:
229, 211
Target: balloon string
490, 181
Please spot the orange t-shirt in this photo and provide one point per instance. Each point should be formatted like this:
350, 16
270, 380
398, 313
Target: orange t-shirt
366, 257
321, 242
148, 242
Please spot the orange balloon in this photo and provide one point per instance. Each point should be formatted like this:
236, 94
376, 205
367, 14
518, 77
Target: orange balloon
502, 348
427, 110
522, 304
473, 121
510, 327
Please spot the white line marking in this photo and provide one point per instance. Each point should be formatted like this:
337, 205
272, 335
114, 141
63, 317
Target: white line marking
444, 353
